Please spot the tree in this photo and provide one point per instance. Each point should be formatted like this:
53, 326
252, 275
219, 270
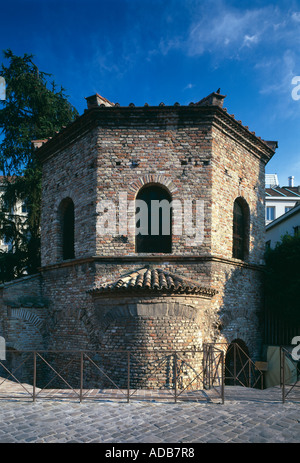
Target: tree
34, 109
283, 279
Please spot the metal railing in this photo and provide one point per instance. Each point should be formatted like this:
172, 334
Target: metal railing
239, 368
289, 380
126, 375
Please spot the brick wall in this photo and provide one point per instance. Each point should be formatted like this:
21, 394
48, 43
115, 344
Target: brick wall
70, 174
151, 329
23, 311
168, 151
237, 171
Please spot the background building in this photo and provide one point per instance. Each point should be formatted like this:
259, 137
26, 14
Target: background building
279, 200
17, 214
288, 223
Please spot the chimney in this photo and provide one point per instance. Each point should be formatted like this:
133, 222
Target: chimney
214, 99
97, 100
291, 181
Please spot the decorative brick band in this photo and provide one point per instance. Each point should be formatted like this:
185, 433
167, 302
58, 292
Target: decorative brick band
169, 310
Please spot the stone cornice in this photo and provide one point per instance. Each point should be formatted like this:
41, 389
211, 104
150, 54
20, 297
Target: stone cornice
154, 258
241, 134
159, 116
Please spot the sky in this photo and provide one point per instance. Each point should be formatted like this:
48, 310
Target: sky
153, 51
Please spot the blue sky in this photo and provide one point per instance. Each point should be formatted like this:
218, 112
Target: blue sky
152, 51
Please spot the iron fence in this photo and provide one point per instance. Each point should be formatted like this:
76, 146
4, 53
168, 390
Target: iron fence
289, 378
239, 368
137, 374
105, 374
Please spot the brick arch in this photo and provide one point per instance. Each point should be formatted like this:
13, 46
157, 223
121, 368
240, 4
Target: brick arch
35, 335
28, 316
243, 200
64, 195
166, 182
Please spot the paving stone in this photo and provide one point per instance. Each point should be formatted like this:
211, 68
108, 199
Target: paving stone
257, 418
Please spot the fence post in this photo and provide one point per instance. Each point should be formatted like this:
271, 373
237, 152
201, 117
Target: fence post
208, 368
282, 365
81, 376
128, 376
234, 364
175, 375
222, 377
203, 365
249, 373
34, 376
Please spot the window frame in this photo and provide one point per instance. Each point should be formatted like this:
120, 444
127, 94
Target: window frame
269, 209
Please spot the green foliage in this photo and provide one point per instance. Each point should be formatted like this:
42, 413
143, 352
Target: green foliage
34, 109
283, 279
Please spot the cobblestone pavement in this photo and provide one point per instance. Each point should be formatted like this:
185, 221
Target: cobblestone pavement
247, 416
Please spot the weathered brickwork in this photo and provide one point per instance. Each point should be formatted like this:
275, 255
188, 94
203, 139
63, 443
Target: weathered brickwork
23, 312
197, 152
155, 140
237, 171
75, 177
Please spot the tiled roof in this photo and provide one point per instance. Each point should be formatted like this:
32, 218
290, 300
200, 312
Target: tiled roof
285, 191
154, 280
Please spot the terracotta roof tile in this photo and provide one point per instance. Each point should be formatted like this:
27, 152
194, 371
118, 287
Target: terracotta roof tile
154, 280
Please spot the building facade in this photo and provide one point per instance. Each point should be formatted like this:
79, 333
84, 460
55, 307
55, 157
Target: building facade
288, 223
16, 215
116, 277
280, 200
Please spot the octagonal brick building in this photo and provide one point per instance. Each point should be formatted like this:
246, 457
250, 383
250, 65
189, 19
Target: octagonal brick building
107, 281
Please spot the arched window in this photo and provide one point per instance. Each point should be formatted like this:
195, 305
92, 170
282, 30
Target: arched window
240, 240
153, 220
66, 212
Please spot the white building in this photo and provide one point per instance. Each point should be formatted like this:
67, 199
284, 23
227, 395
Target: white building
279, 200
286, 223
18, 212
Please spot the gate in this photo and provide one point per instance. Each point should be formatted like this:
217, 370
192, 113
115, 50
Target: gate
240, 370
